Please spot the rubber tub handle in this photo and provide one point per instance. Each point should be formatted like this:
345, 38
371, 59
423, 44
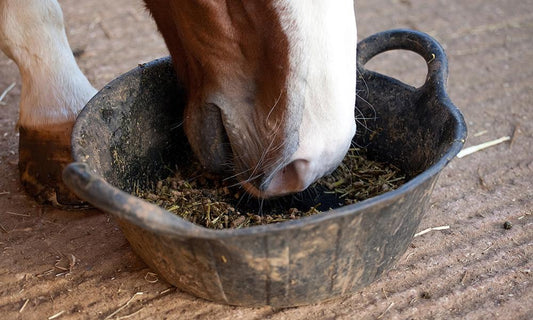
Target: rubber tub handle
415, 41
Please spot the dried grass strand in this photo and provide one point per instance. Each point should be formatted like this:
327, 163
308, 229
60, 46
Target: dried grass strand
5, 92
57, 315
123, 306
473, 149
24, 305
431, 229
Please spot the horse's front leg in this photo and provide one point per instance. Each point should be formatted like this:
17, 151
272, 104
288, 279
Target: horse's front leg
54, 90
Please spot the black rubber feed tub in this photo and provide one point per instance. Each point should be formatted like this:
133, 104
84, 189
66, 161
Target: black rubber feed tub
129, 135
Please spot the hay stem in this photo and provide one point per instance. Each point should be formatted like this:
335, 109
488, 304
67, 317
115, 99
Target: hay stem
57, 315
194, 196
123, 306
5, 92
431, 229
24, 305
473, 149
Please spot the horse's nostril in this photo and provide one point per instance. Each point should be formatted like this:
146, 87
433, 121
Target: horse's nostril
294, 177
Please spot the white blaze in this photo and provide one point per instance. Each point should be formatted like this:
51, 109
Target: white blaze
323, 41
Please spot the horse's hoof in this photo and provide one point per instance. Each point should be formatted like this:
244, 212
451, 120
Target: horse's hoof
43, 153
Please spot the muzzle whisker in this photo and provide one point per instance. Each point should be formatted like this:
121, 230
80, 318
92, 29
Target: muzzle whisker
236, 174
176, 126
275, 104
268, 149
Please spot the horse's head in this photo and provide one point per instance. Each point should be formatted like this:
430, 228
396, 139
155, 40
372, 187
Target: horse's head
271, 85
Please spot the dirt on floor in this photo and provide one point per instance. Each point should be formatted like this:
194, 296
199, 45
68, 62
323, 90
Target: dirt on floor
59, 264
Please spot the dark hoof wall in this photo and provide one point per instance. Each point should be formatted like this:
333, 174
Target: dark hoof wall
43, 154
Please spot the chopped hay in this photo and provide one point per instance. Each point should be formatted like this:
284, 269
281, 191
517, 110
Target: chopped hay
219, 204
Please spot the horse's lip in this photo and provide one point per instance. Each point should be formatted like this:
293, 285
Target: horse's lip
232, 167
208, 137
227, 150
259, 193
254, 191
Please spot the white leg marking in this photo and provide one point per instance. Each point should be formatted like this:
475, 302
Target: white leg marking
53, 87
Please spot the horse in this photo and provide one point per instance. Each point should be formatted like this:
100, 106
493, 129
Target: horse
270, 87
